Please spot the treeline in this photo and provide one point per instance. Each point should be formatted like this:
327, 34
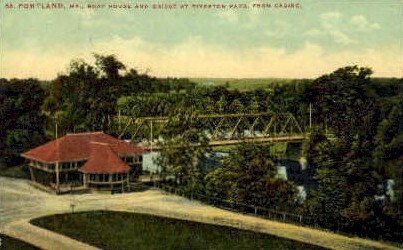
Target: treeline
217, 100
351, 168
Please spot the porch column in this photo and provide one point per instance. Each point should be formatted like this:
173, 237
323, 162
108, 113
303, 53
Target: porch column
85, 180
128, 181
31, 171
110, 180
122, 182
57, 175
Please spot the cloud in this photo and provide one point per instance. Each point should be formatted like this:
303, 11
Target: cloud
278, 30
361, 23
314, 32
332, 25
194, 57
340, 37
339, 28
330, 16
229, 16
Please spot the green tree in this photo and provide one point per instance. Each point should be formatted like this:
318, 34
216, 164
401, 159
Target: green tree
351, 168
388, 157
86, 96
109, 65
346, 185
22, 122
247, 175
183, 152
342, 100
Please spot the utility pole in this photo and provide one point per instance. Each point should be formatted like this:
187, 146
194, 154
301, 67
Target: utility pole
119, 121
57, 162
56, 131
310, 117
151, 136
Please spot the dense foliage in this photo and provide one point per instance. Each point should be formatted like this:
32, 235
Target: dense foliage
21, 120
179, 157
353, 169
248, 176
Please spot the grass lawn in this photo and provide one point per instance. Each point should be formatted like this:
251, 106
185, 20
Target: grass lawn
121, 230
12, 243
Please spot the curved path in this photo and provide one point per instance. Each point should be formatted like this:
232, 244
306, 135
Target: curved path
20, 202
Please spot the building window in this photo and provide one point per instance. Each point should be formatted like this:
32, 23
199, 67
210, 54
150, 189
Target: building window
80, 163
96, 177
65, 165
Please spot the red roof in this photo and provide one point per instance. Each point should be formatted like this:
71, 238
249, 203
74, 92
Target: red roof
103, 160
76, 147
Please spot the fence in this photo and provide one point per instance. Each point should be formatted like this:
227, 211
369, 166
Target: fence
271, 214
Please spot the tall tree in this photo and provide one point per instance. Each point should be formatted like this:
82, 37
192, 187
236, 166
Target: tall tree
347, 179
388, 154
342, 101
86, 97
183, 152
109, 66
22, 122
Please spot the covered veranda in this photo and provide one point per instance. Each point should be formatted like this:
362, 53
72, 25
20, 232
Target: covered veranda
104, 170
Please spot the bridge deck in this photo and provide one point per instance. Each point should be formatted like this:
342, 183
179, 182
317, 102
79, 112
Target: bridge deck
215, 143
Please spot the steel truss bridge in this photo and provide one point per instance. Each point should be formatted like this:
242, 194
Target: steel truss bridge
221, 129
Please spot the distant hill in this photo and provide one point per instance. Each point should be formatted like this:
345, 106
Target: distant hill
244, 84
390, 86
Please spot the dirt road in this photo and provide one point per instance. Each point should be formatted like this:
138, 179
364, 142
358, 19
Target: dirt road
20, 202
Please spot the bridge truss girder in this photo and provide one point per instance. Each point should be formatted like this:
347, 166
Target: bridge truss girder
218, 127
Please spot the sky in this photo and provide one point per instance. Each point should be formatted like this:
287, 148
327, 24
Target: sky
307, 42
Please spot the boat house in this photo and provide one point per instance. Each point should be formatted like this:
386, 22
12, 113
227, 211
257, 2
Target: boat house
85, 161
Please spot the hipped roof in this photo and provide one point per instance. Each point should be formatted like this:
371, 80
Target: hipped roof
76, 147
103, 160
